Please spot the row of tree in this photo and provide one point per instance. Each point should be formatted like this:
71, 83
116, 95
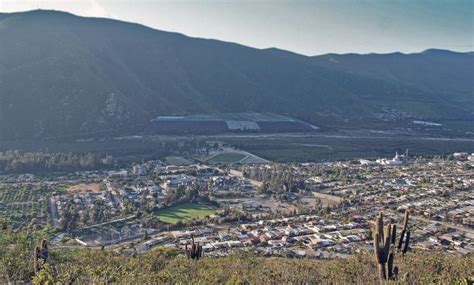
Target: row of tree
278, 179
34, 162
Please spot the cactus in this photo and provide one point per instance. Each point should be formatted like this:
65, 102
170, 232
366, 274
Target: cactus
391, 271
407, 243
403, 243
41, 255
382, 242
384, 246
195, 252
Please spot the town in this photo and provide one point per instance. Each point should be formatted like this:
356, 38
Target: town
317, 210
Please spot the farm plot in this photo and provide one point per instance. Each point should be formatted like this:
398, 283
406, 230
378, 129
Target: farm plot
321, 148
20, 205
85, 187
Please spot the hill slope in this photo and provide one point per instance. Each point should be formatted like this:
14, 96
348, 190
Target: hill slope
445, 75
66, 75
432, 70
162, 266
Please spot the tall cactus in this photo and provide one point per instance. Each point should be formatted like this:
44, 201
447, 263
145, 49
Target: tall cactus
195, 252
40, 255
384, 246
404, 241
382, 242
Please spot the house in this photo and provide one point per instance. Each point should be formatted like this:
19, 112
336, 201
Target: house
178, 180
234, 243
277, 243
271, 235
324, 243
207, 247
462, 156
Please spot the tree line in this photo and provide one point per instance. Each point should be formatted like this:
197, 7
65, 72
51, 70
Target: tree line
279, 179
14, 161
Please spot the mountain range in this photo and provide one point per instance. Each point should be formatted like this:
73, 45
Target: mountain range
63, 75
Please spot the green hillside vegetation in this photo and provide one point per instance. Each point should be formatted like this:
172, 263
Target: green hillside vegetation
163, 266
168, 265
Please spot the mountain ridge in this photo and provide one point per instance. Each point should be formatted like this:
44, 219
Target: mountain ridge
60, 12
71, 75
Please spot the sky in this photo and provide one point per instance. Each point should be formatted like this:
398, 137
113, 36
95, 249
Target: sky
309, 27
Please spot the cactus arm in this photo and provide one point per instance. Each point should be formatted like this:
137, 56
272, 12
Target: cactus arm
379, 226
400, 242
407, 242
390, 266
405, 219
377, 249
382, 271
394, 234
195, 251
386, 243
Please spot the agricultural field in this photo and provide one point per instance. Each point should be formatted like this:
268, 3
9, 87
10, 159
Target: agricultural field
182, 126
227, 122
23, 204
321, 148
227, 157
183, 212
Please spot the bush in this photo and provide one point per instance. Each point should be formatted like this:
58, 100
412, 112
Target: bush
167, 266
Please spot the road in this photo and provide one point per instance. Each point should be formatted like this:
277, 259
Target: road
54, 212
109, 222
235, 173
239, 174
366, 135
329, 199
446, 224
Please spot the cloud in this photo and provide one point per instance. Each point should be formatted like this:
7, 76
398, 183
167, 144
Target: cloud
96, 10
88, 8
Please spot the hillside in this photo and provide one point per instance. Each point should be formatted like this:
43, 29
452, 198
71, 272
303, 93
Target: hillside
431, 70
165, 265
445, 77
64, 75
162, 266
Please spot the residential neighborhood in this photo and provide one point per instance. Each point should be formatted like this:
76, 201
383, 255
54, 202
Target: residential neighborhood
319, 210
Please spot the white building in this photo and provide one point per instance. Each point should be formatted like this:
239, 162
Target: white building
399, 159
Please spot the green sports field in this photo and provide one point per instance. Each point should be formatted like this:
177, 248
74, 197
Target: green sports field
184, 212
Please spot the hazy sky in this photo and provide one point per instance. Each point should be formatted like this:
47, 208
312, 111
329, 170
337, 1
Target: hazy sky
305, 26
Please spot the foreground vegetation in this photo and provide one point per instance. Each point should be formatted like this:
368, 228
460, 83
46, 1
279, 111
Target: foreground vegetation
165, 265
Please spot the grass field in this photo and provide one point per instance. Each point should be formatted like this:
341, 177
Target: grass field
183, 212
228, 157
